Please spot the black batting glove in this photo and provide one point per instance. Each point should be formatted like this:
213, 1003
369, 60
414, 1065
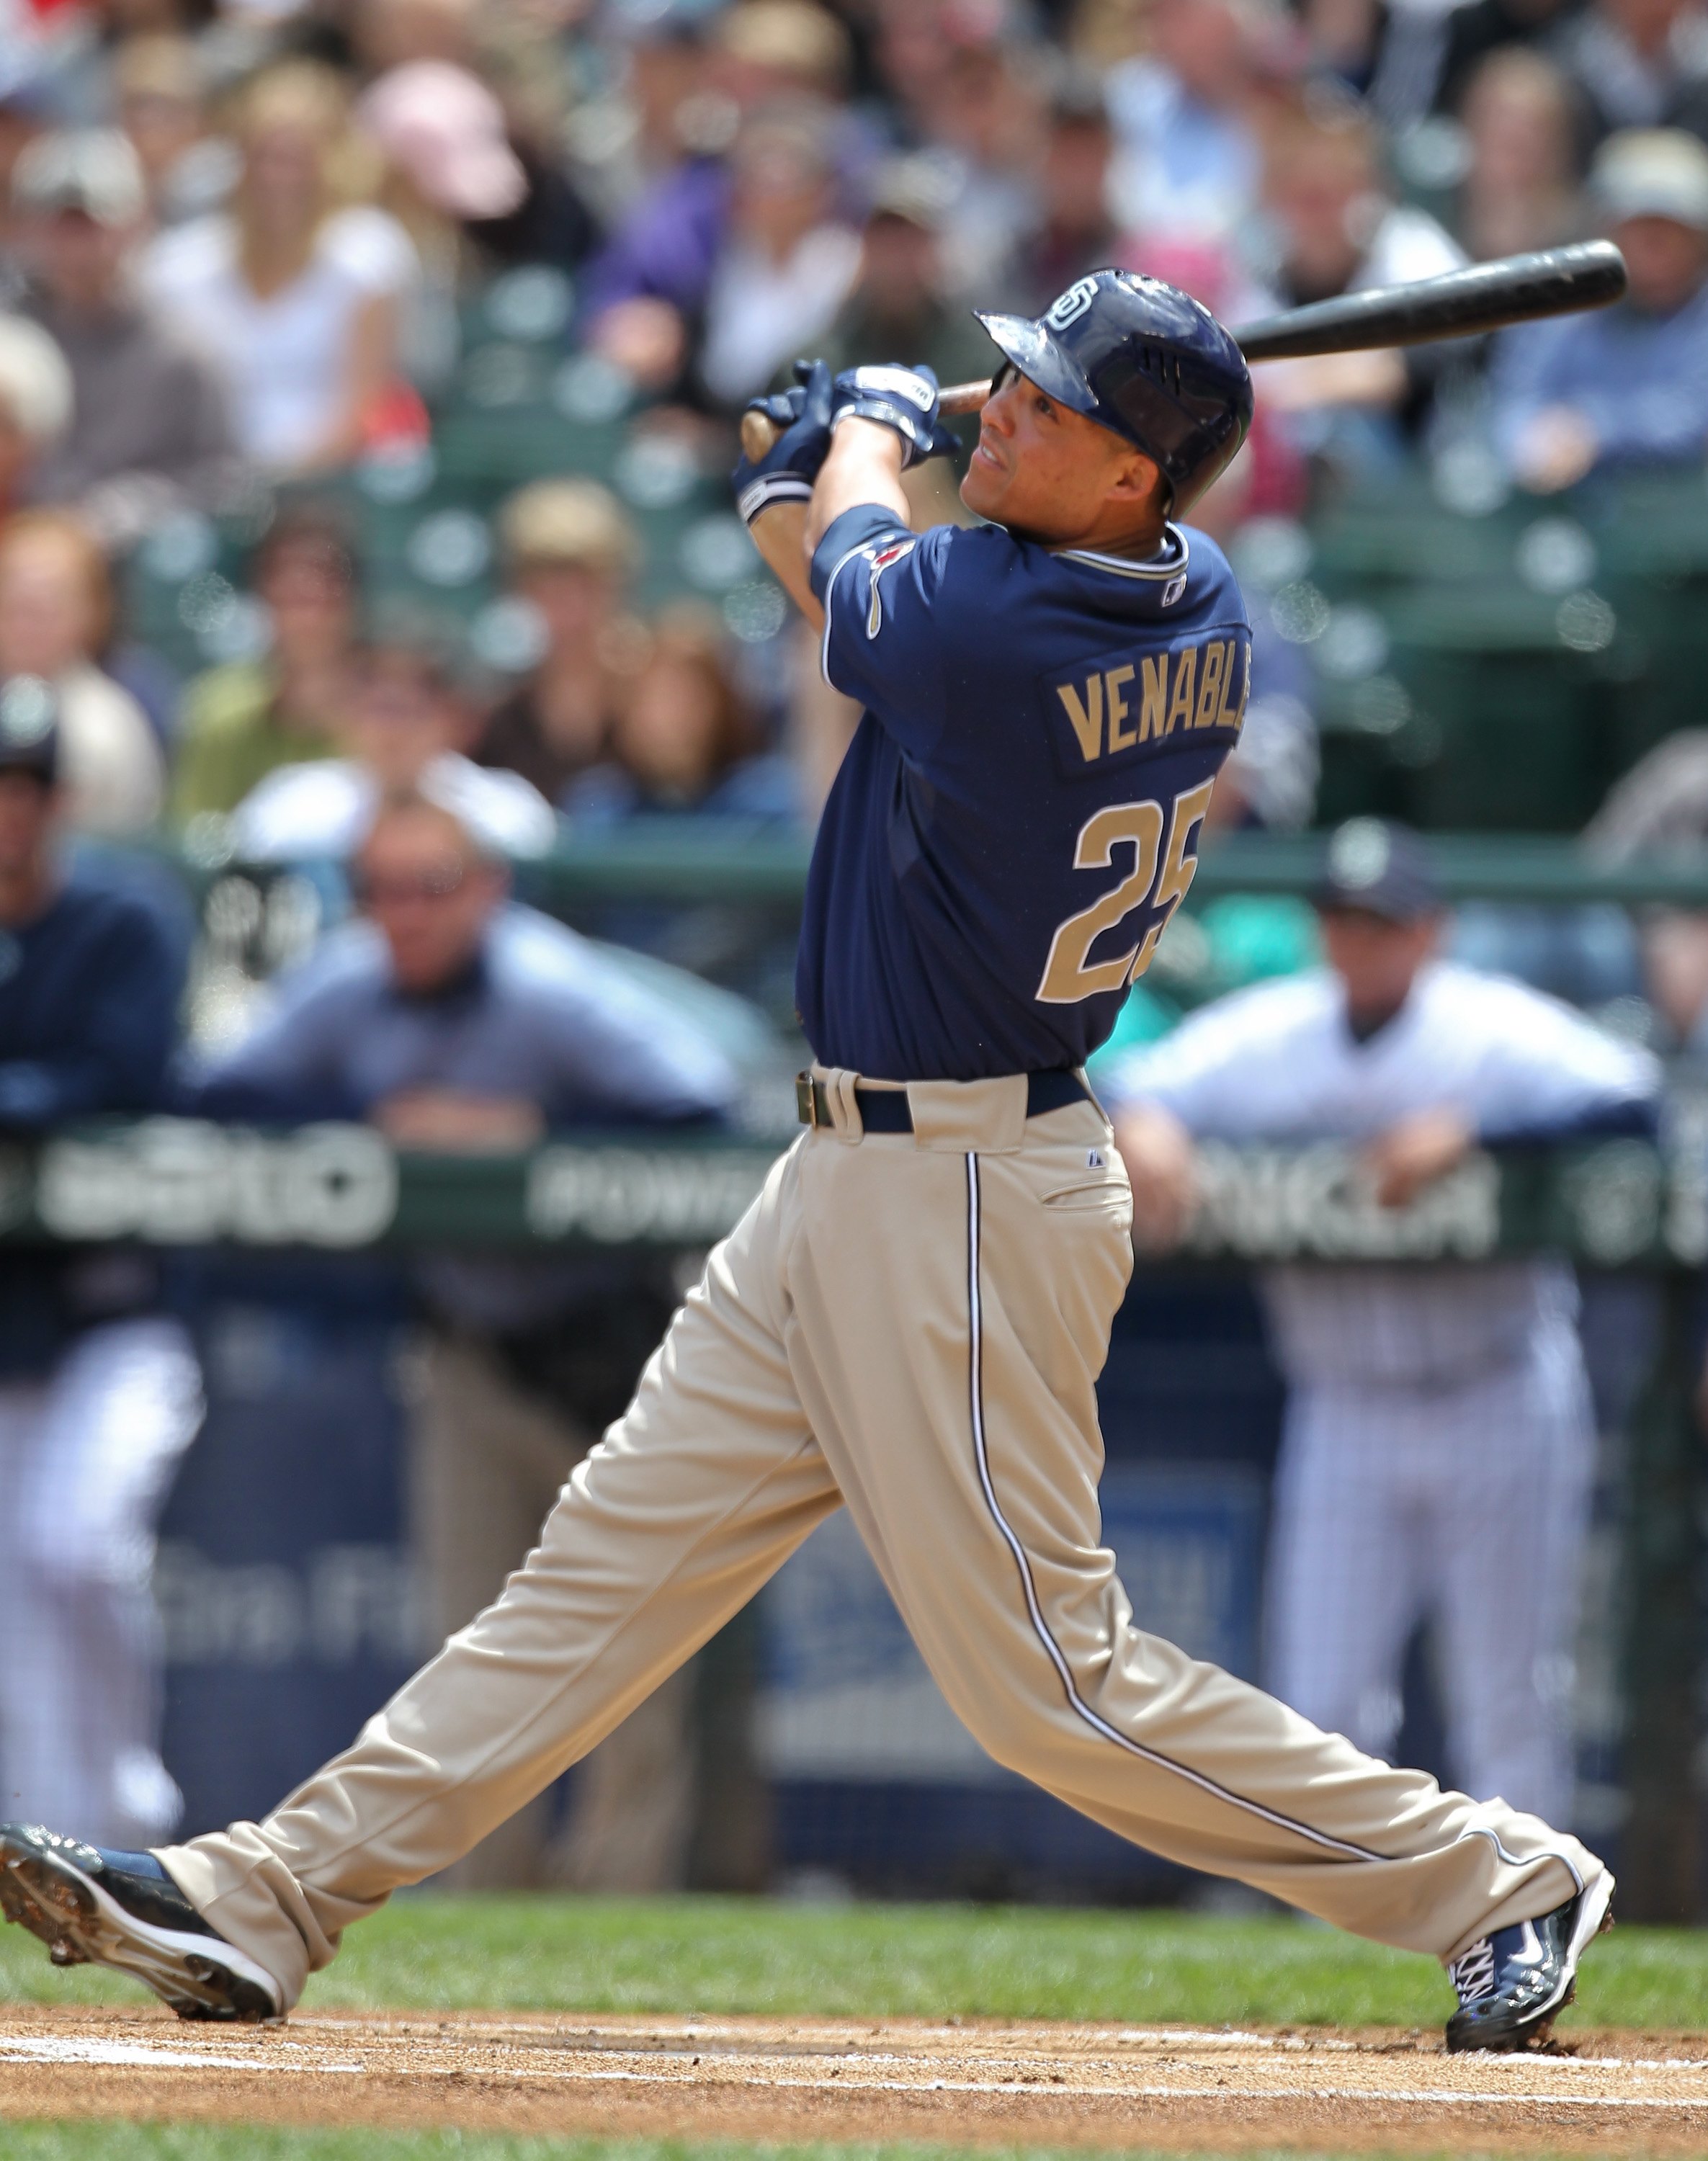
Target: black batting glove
901, 398
788, 470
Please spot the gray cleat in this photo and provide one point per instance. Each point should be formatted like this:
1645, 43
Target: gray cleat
1514, 1984
93, 1906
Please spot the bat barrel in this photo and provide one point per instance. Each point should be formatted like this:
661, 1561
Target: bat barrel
1486, 296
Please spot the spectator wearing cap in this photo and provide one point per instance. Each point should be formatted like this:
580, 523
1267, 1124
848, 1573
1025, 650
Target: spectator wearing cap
1437, 1445
1627, 386
469, 196
406, 723
99, 1389
148, 430
56, 619
244, 720
296, 295
570, 555
453, 1018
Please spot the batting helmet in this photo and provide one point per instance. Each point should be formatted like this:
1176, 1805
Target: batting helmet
1146, 360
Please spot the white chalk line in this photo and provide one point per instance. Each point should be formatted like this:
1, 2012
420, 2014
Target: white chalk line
1446, 2097
53, 2048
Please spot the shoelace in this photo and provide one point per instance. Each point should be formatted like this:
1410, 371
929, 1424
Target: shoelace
1473, 1972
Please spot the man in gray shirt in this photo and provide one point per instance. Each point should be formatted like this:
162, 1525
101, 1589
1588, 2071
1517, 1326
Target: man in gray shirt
149, 431
453, 1018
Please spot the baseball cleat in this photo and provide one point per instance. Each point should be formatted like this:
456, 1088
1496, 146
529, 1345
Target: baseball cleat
96, 1908
1514, 1984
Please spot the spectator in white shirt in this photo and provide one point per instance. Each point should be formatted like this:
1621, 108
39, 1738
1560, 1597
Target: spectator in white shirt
1338, 231
295, 296
788, 260
407, 721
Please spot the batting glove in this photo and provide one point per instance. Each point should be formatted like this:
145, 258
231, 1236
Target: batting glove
788, 470
903, 399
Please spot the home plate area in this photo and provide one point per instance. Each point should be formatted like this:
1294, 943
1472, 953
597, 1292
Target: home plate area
974, 2083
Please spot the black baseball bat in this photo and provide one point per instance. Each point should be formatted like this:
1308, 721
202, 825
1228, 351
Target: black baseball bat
1487, 296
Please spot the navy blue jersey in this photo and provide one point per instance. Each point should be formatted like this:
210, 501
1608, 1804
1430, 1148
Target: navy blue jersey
1018, 815
89, 994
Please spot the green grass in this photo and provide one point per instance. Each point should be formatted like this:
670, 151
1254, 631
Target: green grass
732, 1955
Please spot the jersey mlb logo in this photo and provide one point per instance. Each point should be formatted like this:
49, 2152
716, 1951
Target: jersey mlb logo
891, 552
1123, 704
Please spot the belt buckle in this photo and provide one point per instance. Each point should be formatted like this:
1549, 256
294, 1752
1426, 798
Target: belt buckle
807, 1100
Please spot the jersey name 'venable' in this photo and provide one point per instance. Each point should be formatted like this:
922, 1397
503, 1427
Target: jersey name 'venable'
1019, 815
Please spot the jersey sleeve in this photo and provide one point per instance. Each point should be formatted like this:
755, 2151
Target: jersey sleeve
1203, 1072
126, 1024
1549, 1074
614, 1049
890, 616
292, 1064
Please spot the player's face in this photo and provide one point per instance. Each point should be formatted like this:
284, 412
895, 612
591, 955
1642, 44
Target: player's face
1051, 475
1375, 958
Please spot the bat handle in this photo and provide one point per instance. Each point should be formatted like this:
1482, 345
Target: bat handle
759, 431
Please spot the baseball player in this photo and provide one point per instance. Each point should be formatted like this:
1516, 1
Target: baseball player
1439, 1440
910, 1320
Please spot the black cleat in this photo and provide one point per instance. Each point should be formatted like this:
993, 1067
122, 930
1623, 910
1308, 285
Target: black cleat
96, 1908
1514, 1984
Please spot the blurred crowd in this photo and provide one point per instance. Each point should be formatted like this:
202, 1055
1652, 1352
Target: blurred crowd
238, 244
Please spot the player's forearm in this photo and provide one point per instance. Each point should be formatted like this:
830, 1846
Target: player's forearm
864, 465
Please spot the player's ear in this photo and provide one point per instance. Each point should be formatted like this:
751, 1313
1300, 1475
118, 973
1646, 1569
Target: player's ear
1138, 481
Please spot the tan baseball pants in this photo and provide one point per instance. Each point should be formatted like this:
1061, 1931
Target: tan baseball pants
487, 1461
912, 1325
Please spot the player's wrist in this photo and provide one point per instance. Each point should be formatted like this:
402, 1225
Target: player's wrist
868, 438
767, 489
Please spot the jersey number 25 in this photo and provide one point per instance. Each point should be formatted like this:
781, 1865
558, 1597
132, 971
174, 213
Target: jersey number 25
1068, 977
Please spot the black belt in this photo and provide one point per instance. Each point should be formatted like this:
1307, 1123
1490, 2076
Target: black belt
885, 1110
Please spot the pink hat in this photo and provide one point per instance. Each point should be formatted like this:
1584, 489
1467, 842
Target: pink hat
445, 129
